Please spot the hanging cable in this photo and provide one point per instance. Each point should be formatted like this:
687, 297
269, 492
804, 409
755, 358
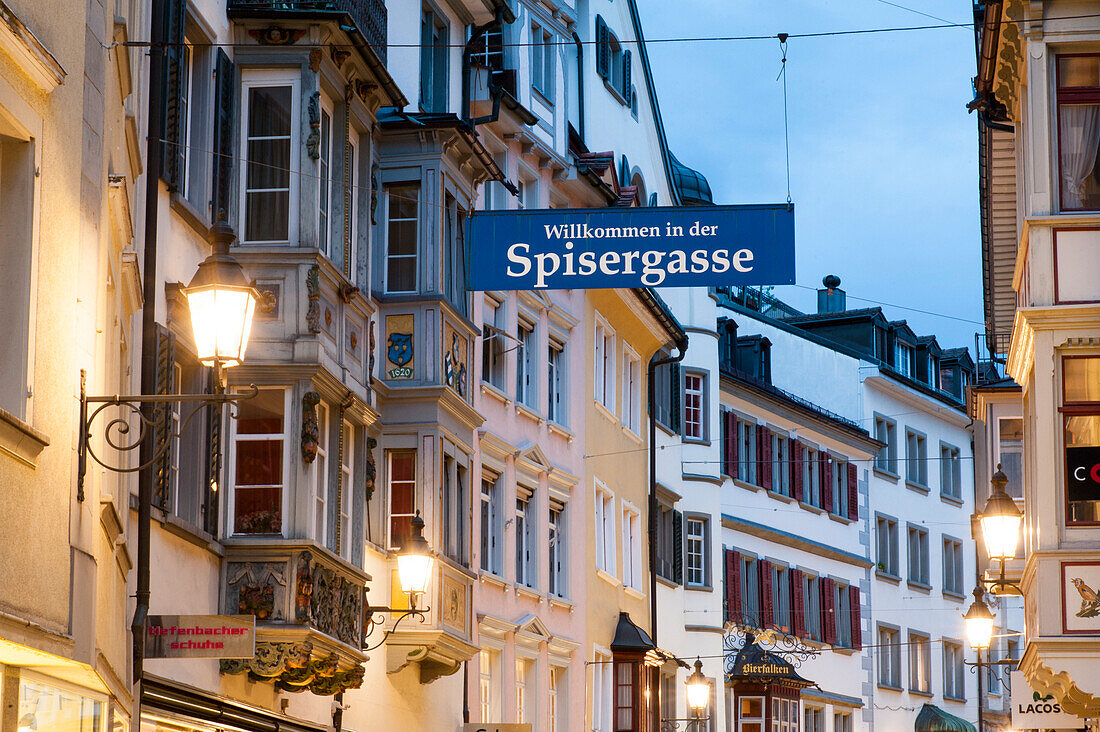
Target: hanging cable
786, 129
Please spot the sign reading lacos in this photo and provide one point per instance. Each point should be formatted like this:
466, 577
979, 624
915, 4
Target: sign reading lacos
1032, 710
631, 247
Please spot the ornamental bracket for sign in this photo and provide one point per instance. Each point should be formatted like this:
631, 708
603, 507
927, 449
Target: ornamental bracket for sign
788, 647
117, 432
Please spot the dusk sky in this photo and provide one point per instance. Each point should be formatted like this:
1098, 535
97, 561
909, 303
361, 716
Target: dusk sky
883, 153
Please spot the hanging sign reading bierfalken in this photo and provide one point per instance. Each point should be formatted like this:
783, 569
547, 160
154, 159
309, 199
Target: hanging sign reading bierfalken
671, 246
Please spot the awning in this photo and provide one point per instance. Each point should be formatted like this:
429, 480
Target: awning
934, 719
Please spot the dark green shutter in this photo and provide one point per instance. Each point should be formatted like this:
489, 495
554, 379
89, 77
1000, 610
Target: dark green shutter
427, 26
678, 547
224, 102
603, 48
675, 398
172, 149
161, 432
626, 77
213, 463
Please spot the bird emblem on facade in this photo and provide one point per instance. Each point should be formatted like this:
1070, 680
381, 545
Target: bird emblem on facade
1090, 601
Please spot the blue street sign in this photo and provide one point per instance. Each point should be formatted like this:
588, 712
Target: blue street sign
668, 246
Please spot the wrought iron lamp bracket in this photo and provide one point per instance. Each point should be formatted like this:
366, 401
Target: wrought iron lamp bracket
117, 431
374, 623
668, 725
1001, 582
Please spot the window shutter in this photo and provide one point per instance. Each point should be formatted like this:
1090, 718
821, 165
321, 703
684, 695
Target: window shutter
733, 586
427, 28
603, 49
162, 425
828, 610
798, 604
853, 493
825, 481
678, 547
857, 631
764, 448
767, 606
676, 389
224, 102
213, 463
626, 77
172, 80
796, 469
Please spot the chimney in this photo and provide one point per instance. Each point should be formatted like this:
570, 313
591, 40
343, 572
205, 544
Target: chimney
831, 298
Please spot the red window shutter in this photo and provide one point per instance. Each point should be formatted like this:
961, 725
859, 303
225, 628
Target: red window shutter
798, 605
853, 493
824, 481
796, 469
764, 476
828, 610
733, 586
857, 632
767, 606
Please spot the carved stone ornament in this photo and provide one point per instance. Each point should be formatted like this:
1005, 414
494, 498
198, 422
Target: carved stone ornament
371, 471
339, 56
292, 667
313, 292
311, 436
256, 588
374, 194
315, 60
370, 356
313, 141
303, 592
275, 35
363, 89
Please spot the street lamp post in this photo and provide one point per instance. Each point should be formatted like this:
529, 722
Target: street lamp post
414, 572
1000, 522
698, 695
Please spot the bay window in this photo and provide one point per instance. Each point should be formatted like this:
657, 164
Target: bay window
259, 439
401, 465
1078, 99
270, 136
1081, 424
401, 235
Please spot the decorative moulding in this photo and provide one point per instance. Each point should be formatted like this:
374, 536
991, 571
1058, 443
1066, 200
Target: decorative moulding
28, 52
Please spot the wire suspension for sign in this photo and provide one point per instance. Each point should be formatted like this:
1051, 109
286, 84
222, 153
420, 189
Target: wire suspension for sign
786, 130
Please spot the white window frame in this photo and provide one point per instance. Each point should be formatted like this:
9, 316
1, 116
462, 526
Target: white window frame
886, 431
781, 459
491, 548
696, 550
632, 390
886, 542
415, 256
319, 479
918, 560
916, 465
695, 429
325, 178
558, 549
602, 690
950, 471
526, 561
494, 339
746, 451
347, 475
557, 395
262, 78
234, 438
389, 454
920, 662
632, 546
527, 372
889, 656
488, 677
604, 513
604, 364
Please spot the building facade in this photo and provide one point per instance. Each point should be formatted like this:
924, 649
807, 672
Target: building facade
1035, 97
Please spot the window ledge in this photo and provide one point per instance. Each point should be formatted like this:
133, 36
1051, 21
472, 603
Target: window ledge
531, 414
525, 591
493, 579
490, 390
811, 508
191, 533
841, 519
697, 441
951, 499
887, 576
886, 474
846, 650
561, 431
916, 487
191, 215
919, 586
665, 428
632, 435
562, 604
698, 588
960, 699
955, 596
542, 96
742, 484
667, 582
608, 577
601, 408
616, 93
636, 594
20, 440
918, 692
890, 687
780, 497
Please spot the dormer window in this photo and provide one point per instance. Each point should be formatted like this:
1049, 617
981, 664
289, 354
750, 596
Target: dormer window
933, 371
903, 357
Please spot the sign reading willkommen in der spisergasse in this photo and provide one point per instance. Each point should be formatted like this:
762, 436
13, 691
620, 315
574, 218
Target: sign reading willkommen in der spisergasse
668, 246
200, 636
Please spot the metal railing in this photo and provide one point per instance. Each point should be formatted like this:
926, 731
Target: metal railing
369, 16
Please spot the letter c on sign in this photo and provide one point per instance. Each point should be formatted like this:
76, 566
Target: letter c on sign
1077, 473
